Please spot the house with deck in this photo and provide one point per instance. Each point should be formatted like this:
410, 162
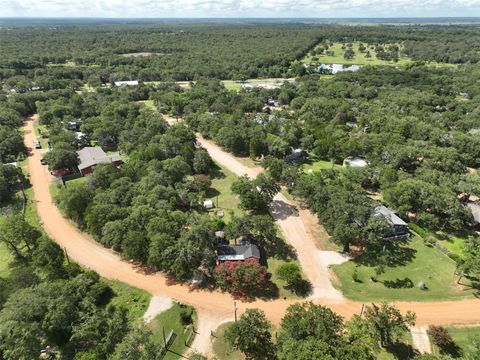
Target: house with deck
399, 227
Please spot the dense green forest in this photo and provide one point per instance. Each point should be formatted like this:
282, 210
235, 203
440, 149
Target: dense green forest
417, 126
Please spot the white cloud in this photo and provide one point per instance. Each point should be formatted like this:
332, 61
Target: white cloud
240, 8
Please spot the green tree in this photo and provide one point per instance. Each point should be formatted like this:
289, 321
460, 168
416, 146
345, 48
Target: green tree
20, 237
251, 335
388, 323
290, 273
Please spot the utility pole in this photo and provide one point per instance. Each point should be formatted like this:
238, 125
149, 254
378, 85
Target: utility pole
235, 310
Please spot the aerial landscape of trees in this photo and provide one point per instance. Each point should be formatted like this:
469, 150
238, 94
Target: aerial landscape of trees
413, 120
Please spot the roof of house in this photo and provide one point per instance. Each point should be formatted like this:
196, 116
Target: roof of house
237, 252
389, 214
475, 208
90, 156
355, 161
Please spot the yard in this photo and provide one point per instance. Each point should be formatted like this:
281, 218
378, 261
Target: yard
221, 194
136, 301
5, 258
313, 164
283, 293
358, 59
171, 320
221, 349
463, 337
413, 263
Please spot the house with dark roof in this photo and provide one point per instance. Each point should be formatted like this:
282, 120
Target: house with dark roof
90, 157
237, 252
400, 227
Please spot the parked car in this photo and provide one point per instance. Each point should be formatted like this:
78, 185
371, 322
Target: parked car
61, 172
36, 144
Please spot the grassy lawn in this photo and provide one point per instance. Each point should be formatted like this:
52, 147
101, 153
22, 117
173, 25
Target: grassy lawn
220, 347
170, 320
314, 165
5, 258
227, 201
463, 337
358, 59
420, 263
135, 300
283, 293
149, 104
41, 134
400, 351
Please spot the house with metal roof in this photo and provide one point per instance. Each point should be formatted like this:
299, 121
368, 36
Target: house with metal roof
237, 252
90, 157
400, 227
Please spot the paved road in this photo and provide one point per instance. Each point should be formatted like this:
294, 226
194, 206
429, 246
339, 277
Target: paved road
213, 307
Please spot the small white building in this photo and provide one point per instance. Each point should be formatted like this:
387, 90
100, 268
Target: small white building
208, 204
126, 83
355, 162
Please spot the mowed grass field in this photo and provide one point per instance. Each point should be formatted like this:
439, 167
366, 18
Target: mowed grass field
421, 264
220, 191
170, 320
463, 336
358, 59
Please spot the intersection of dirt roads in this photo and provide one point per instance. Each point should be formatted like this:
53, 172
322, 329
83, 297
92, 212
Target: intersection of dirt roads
214, 307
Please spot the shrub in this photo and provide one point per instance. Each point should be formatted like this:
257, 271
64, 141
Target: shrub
186, 316
441, 337
290, 273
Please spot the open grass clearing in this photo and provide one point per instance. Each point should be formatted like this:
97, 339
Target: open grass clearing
221, 194
170, 320
313, 164
358, 59
463, 337
416, 263
149, 104
134, 300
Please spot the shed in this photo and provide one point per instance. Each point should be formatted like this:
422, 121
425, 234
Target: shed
208, 204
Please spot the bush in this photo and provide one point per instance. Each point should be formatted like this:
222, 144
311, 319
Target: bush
290, 273
186, 316
441, 337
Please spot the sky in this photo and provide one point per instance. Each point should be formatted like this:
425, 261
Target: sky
239, 8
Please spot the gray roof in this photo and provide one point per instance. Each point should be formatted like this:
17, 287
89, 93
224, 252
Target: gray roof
238, 252
389, 214
90, 156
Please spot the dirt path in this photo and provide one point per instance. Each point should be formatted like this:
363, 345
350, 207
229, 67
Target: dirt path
213, 308
158, 304
290, 221
421, 341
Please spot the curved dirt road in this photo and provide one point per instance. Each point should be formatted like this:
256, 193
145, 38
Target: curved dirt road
213, 307
287, 216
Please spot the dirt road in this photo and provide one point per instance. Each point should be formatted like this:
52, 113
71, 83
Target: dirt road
213, 307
